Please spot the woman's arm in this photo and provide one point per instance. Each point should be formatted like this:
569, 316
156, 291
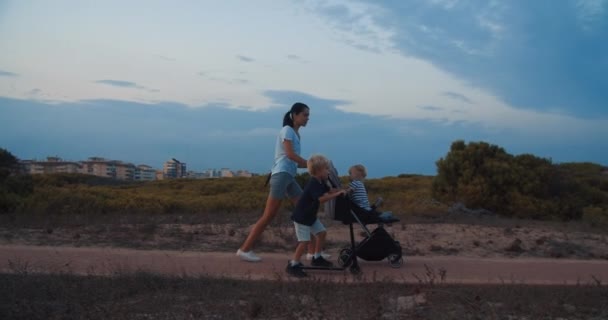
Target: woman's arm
287, 144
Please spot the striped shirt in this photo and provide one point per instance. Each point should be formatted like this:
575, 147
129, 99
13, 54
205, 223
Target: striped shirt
359, 195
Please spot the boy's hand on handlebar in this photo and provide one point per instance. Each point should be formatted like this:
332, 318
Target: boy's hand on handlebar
345, 191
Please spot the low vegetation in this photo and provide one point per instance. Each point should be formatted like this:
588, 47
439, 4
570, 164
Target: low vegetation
479, 176
148, 296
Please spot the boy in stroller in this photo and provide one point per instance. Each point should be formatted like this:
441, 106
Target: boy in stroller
358, 196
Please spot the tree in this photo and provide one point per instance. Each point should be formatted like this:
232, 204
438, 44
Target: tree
482, 175
13, 186
8, 164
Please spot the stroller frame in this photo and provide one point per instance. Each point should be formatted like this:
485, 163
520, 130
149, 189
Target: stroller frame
368, 248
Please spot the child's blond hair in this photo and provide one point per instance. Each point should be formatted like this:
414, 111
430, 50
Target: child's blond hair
359, 168
315, 163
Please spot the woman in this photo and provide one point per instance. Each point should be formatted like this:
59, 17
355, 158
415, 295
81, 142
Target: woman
283, 184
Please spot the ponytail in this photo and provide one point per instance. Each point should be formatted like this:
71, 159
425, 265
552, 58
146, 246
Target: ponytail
288, 119
297, 108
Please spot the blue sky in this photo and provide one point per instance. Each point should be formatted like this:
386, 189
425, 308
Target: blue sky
391, 84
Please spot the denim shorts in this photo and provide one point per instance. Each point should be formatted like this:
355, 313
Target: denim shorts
283, 184
303, 231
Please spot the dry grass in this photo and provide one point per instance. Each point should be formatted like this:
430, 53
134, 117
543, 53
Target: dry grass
448, 235
148, 296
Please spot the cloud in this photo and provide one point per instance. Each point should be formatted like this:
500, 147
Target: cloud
255, 132
203, 137
445, 4
164, 57
495, 45
7, 74
431, 108
590, 12
354, 24
223, 77
240, 81
120, 83
457, 96
296, 58
126, 84
244, 58
34, 92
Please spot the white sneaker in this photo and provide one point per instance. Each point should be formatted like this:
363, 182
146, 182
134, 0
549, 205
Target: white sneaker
323, 254
248, 256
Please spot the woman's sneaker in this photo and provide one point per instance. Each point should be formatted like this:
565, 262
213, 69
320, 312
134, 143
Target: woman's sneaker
321, 262
295, 270
248, 256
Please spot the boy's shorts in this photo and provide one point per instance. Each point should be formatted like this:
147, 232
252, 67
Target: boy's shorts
303, 231
283, 184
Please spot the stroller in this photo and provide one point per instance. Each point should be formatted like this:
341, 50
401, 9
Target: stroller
377, 244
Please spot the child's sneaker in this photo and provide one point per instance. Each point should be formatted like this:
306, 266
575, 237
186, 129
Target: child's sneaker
248, 256
321, 262
295, 270
309, 256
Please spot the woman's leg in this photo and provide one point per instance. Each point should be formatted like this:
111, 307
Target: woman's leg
272, 207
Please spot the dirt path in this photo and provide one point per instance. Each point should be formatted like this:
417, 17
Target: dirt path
108, 261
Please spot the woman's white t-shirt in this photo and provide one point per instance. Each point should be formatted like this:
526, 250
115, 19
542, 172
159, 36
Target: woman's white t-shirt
281, 162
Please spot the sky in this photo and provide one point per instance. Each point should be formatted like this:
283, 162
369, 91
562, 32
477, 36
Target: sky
390, 84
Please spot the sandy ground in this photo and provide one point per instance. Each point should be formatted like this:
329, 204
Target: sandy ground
450, 253
438, 269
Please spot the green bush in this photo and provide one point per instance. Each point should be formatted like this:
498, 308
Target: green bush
14, 185
485, 176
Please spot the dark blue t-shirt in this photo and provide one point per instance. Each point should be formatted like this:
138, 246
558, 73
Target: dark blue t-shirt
306, 209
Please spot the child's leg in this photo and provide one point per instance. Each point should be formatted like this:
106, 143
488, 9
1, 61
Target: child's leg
318, 229
320, 241
299, 252
312, 245
303, 235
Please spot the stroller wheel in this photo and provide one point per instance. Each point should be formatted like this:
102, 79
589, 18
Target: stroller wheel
395, 260
355, 269
345, 258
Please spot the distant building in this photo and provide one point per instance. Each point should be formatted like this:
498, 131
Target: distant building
173, 169
213, 173
108, 168
144, 173
243, 173
226, 173
119, 170
96, 166
197, 175
51, 165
